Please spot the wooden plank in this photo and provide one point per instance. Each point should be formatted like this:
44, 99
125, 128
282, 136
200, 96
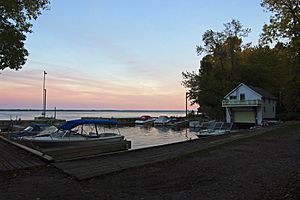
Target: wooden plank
5, 165
33, 151
12, 157
6, 159
59, 154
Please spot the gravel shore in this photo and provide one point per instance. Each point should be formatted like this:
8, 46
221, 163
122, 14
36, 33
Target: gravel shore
261, 167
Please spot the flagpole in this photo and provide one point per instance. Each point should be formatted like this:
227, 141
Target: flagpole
44, 95
186, 104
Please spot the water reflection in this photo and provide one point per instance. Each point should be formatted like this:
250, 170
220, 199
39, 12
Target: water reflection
145, 136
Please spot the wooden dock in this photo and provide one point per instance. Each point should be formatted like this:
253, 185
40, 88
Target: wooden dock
96, 166
14, 158
84, 151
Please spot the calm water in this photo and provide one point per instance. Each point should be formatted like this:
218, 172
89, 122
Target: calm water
28, 115
152, 136
139, 135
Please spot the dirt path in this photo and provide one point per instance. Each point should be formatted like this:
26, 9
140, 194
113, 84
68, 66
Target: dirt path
263, 167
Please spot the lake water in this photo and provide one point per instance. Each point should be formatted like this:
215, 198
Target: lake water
158, 135
139, 135
68, 115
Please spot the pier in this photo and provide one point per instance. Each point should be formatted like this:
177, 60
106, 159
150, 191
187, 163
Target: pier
88, 165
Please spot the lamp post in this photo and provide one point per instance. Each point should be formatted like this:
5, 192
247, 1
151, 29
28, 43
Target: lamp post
186, 104
44, 95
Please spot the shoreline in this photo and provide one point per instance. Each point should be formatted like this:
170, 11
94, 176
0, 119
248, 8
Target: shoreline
264, 166
76, 114
88, 110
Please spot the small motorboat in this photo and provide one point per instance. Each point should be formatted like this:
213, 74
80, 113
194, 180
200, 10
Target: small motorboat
194, 124
33, 130
77, 133
162, 120
214, 128
144, 119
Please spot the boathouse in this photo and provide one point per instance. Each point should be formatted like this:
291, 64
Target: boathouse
249, 105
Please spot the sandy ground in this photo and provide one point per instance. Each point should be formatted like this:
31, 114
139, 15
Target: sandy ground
262, 167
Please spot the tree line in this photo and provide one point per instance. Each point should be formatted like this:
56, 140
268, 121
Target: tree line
273, 64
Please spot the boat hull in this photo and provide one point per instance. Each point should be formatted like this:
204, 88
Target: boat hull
53, 143
144, 122
201, 135
64, 150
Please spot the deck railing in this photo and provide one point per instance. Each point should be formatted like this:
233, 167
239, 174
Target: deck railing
237, 103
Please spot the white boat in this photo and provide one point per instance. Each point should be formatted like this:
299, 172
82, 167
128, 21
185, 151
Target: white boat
215, 128
194, 124
144, 119
161, 120
76, 133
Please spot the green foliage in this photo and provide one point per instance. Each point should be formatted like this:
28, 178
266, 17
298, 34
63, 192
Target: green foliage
285, 21
284, 27
15, 21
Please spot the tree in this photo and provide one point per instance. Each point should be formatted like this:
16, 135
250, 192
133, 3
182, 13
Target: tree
226, 44
218, 71
15, 22
284, 27
234, 32
284, 23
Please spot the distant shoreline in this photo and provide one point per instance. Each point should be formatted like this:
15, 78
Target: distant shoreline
92, 110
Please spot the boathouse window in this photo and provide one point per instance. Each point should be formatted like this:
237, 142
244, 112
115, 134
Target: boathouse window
242, 96
264, 108
232, 97
273, 108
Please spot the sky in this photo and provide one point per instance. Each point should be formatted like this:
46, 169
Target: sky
117, 54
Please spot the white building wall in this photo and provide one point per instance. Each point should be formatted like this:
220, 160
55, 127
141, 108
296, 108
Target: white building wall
228, 118
249, 94
262, 113
269, 108
259, 115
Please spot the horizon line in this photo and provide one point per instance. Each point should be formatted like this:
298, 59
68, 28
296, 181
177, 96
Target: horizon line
95, 110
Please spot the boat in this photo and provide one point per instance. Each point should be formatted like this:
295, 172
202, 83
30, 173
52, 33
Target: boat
144, 119
181, 124
214, 128
32, 130
161, 120
78, 133
194, 124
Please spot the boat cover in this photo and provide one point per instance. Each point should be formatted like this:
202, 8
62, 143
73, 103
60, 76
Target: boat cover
68, 125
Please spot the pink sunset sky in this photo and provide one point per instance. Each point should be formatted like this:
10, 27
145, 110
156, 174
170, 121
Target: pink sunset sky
119, 54
74, 89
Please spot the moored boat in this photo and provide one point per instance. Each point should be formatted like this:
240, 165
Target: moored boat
144, 119
215, 128
162, 120
32, 130
78, 133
